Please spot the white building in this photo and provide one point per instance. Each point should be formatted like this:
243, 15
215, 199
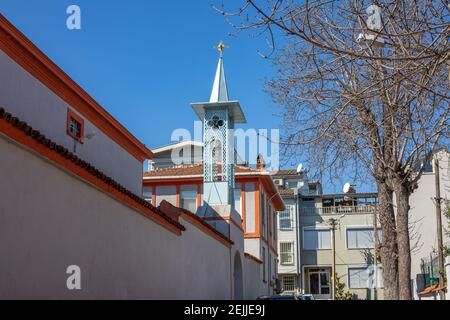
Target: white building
423, 232
289, 184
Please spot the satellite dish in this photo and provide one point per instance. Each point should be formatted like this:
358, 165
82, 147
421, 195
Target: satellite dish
348, 188
300, 169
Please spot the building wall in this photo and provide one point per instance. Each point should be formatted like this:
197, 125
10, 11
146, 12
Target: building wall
27, 98
289, 236
423, 215
51, 219
255, 241
252, 279
345, 257
186, 155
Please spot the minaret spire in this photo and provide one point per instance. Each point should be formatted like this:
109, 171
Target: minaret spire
219, 117
220, 91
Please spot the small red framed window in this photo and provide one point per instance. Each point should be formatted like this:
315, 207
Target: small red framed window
75, 126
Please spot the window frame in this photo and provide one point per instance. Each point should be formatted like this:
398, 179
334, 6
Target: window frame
194, 198
71, 115
319, 271
379, 285
264, 264
291, 220
315, 228
361, 227
149, 200
294, 282
238, 190
292, 251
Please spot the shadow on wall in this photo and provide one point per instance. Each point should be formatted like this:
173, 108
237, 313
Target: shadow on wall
238, 278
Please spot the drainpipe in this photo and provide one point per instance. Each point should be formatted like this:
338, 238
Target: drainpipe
297, 223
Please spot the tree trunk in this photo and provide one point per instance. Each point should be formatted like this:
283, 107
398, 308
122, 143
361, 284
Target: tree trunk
389, 249
403, 241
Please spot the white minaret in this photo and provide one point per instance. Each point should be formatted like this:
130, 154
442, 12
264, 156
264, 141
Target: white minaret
219, 116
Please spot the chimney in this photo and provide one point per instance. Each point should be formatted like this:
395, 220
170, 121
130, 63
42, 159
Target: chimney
170, 210
260, 163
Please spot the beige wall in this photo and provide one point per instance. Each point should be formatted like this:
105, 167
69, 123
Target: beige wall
345, 257
50, 220
25, 97
423, 213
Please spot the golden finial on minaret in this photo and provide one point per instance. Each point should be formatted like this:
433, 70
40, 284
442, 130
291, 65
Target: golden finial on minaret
221, 47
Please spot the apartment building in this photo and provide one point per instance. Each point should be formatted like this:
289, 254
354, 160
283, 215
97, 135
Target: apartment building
305, 239
289, 266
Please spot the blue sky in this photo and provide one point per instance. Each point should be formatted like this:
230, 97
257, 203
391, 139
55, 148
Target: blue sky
145, 61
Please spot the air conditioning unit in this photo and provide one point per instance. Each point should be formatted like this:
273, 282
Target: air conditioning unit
278, 182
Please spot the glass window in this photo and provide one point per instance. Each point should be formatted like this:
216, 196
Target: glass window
286, 218
308, 203
264, 262
364, 277
167, 193
317, 239
188, 195
148, 194
237, 199
319, 281
292, 184
263, 209
287, 253
75, 128
361, 238
288, 283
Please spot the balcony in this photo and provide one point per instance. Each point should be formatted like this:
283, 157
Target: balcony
329, 211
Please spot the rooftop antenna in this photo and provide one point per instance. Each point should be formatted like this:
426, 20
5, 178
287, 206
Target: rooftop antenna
301, 169
349, 188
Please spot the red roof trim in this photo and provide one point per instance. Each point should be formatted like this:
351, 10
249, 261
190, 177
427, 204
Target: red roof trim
25, 53
25, 135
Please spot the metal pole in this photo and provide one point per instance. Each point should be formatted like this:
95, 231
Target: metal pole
375, 260
298, 250
438, 200
333, 253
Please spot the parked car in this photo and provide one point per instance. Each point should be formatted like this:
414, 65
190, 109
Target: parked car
291, 297
307, 297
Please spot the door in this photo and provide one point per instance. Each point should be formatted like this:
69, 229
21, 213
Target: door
319, 282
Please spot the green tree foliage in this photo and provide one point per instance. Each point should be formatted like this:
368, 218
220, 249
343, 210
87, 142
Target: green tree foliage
447, 228
341, 293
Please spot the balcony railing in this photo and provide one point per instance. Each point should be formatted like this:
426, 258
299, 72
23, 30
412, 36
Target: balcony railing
337, 210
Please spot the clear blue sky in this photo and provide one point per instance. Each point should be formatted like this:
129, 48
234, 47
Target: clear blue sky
145, 61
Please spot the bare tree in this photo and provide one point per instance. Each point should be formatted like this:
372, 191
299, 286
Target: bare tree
362, 84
